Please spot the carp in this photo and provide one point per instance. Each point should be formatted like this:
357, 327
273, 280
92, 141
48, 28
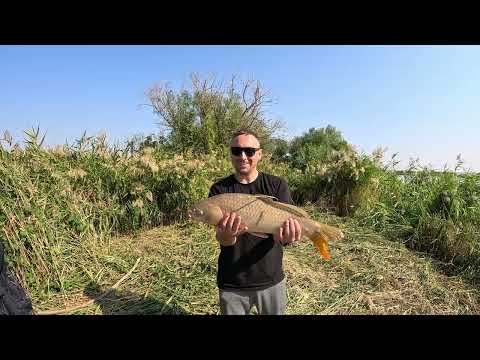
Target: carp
264, 215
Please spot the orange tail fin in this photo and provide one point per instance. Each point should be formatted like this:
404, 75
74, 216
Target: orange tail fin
321, 244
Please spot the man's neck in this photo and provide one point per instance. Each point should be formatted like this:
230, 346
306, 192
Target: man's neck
246, 179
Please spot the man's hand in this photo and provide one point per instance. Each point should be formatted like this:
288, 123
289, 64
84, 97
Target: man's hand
228, 228
290, 231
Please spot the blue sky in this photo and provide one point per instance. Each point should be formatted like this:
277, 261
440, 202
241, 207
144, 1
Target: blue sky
419, 101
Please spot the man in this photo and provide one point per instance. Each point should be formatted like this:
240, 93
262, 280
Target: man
250, 271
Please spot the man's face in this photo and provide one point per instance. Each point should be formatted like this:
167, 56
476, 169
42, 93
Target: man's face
244, 164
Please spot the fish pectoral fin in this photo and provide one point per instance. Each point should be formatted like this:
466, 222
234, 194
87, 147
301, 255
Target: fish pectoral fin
262, 235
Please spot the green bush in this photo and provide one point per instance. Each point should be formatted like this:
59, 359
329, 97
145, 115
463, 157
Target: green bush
343, 182
327, 171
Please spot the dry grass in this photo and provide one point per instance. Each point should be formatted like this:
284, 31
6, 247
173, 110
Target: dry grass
371, 275
177, 275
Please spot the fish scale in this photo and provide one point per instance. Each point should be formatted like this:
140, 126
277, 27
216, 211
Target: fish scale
252, 211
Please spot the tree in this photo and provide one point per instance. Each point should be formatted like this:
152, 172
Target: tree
279, 149
205, 116
316, 145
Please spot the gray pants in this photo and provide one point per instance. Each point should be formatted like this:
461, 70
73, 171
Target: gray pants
271, 301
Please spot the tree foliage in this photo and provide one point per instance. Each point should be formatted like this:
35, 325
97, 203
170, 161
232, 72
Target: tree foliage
316, 145
204, 117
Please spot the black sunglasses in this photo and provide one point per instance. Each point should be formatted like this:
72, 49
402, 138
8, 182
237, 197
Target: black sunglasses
249, 151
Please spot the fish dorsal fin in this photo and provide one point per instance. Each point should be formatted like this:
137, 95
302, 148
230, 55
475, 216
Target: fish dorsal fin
266, 197
282, 206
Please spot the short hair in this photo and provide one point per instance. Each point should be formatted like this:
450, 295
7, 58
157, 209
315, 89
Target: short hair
245, 132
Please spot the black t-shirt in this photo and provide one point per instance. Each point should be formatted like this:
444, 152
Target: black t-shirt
253, 263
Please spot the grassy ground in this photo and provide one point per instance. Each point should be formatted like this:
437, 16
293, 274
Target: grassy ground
177, 270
